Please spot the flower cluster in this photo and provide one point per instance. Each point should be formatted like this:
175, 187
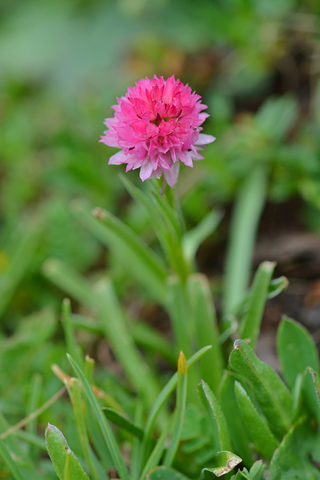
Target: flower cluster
157, 124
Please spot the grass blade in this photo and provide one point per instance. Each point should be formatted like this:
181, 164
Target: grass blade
130, 250
180, 410
215, 414
250, 325
10, 463
104, 425
244, 225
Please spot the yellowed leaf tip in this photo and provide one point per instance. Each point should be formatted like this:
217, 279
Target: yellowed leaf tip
182, 364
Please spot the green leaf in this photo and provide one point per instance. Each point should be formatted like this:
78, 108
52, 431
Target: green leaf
250, 325
257, 472
276, 116
122, 422
156, 453
205, 325
215, 414
104, 425
298, 454
62, 457
131, 251
163, 396
261, 436
239, 435
165, 473
193, 238
271, 393
307, 395
19, 262
223, 463
296, 350
180, 410
113, 322
245, 219
10, 463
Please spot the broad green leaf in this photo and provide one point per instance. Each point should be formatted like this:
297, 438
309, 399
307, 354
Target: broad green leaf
245, 219
104, 425
165, 473
62, 457
307, 395
271, 393
250, 325
123, 422
296, 350
239, 435
298, 454
261, 436
205, 325
215, 414
179, 411
130, 250
276, 116
223, 463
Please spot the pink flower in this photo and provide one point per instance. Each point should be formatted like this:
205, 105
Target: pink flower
157, 124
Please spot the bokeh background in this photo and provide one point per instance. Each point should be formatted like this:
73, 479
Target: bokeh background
255, 62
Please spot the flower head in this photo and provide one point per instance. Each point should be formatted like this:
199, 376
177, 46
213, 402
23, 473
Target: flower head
156, 124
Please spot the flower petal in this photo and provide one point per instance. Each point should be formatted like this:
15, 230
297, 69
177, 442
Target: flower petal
204, 139
171, 176
146, 171
118, 158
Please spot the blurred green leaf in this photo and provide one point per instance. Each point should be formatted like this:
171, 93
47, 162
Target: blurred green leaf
245, 219
276, 116
250, 325
179, 410
104, 425
206, 329
165, 473
296, 350
123, 422
130, 250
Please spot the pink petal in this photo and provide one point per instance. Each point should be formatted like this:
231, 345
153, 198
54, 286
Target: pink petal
146, 171
118, 158
204, 139
171, 176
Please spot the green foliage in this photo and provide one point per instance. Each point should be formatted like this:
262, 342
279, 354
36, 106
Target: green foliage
65, 462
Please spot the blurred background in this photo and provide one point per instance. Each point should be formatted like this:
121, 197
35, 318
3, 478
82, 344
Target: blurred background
256, 64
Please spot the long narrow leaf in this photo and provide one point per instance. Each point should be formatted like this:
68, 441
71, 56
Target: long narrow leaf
250, 325
180, 410
206, 329
10, 463
215, 414
104, 425
244, 225
131, 251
